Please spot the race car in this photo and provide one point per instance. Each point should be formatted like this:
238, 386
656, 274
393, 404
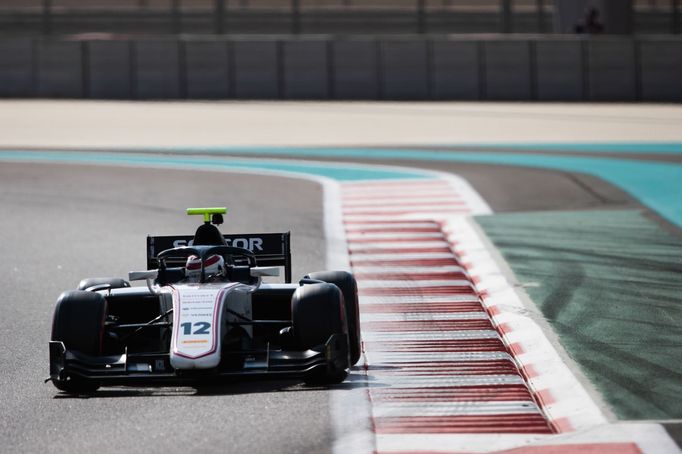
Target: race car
204, 315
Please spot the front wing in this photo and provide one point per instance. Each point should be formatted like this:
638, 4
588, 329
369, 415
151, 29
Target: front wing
154, 369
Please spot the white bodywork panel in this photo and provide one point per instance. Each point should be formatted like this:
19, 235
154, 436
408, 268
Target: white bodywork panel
199, 321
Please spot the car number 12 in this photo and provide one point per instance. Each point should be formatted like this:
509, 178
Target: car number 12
200, 328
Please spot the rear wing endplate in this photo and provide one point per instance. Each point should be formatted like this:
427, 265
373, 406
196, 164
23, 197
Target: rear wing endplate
270, 249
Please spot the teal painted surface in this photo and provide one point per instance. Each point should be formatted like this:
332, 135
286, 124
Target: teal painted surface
655, 184
606, 147
340, 172
594, 147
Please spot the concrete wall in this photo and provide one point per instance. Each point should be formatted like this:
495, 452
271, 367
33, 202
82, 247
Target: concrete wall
306, 69
612, 70
158, 70
405, 71
109, 70
559, 70
207, 69
59, 71
661, 70
355, 69
16, 67
257, 69
507, 70
456, 70
444, 67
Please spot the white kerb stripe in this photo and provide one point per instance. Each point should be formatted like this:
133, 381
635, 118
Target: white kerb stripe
408, 284
426, 215
398, 245
449, 443
421, 357
416, 299
393, 236
389, 225
411, 336
403, 201
402, 409
403, 256
403, 208
421, 316
440, 381
416, 269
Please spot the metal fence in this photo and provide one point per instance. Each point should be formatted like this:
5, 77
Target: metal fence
33, 17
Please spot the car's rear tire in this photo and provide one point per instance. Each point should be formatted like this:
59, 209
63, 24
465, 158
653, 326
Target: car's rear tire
318, 312
349, 287
114, 282
78, 323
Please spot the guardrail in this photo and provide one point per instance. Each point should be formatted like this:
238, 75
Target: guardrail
408, 67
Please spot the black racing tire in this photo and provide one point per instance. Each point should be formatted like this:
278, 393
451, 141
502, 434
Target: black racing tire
114, 282
317, 312
349, 287
78, 323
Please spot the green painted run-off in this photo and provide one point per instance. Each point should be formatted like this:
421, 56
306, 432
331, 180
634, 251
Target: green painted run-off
609, 284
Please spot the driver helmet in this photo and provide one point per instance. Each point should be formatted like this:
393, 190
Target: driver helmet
213, 264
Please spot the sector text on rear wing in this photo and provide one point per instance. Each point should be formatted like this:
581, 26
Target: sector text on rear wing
270, 249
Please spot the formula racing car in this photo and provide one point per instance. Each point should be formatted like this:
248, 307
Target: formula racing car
206, 315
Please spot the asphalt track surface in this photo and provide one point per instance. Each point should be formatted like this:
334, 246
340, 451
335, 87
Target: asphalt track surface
62, 223
54, 217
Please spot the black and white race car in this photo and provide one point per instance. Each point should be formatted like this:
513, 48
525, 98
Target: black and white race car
206, 315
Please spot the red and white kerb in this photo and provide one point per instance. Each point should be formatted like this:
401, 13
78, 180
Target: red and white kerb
439, 364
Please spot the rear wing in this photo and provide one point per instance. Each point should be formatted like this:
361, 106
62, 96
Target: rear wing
270, 249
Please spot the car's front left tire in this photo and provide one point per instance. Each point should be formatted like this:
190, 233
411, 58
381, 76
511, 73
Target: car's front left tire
78, 323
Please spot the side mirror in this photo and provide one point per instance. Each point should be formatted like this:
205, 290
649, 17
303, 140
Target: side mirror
260, 271
148, 275
143, 275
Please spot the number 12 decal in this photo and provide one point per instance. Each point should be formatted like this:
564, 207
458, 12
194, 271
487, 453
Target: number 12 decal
201, 328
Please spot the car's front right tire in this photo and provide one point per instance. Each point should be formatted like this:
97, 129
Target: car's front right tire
318, 312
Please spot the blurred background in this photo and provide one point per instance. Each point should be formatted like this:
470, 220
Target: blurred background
25, 17
342, 49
